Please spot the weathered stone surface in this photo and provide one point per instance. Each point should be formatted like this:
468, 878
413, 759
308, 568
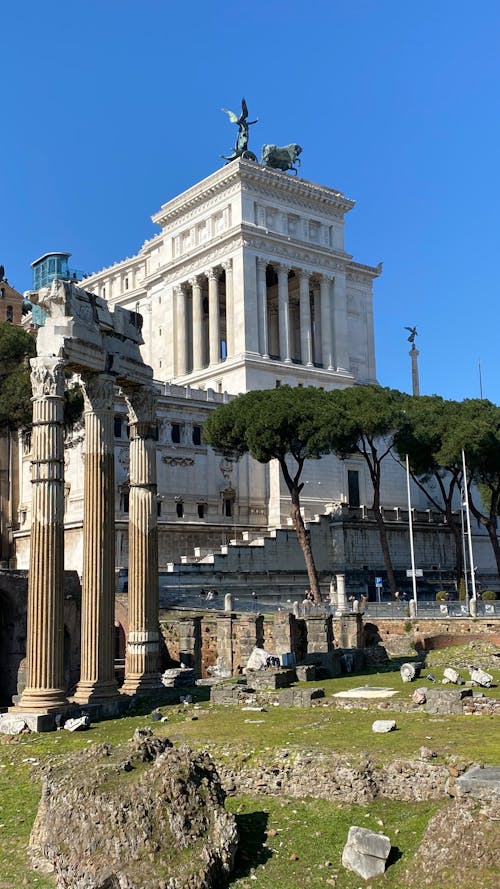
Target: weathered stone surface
10, 724
177, 677
478, 783
419, 696
78, 724
272, 678
459, 849
444, 702
300, 697
452, 676
366, 852
146, 817
481, 677
409, 672
306, 673
381, 726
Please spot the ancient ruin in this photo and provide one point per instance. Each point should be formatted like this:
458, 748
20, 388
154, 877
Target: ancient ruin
82, 336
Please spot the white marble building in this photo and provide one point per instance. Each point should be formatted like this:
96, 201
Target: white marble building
246, 286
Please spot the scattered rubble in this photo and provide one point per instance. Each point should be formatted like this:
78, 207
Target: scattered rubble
366, 852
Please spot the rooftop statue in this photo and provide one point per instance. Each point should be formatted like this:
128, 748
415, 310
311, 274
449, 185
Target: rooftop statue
241, 147
413, 334
281, 157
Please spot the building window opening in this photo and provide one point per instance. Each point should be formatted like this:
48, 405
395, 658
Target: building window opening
9, 314
353, 487
197, 435
227, 507
126, 283
124, 501
176, 433
158, 508
118, 427
179, 509
201, 510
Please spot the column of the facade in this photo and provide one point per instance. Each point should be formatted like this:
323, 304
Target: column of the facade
284, 314
340, 327
142, 666
97, 679
317, 323
197, 323
262, 307
182, 352
44, 689
213, 316
326, 322
228, 268
306, 353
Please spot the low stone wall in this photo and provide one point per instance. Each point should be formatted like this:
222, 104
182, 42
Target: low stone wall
333, 777
400, 636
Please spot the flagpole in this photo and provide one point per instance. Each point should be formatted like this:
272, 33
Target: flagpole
469, 535
410, 525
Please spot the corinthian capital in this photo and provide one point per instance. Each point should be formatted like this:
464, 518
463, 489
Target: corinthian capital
98, 392
141, 403
47, 377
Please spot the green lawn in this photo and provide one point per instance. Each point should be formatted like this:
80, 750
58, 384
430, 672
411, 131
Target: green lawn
313, 830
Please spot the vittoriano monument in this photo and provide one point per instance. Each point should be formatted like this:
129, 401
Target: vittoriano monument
285, 157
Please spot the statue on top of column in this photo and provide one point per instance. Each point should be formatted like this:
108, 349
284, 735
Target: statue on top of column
413, 334
241, 146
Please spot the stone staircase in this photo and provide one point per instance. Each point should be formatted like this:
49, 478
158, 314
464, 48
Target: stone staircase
266, 569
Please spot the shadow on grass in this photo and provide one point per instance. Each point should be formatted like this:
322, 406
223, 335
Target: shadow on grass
394, 855
252, 835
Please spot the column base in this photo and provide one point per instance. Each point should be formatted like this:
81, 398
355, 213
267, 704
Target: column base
146, 684
44, 700
95, 692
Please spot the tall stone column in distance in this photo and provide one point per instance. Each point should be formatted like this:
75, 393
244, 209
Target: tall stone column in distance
97, 677
305, 320
142, 666
326, 322
262, 307
228, 268
182, 357
44, 691
284, 314
197, 323
213, 316
340, 326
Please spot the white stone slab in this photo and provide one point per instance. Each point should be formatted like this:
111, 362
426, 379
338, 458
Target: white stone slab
366, 691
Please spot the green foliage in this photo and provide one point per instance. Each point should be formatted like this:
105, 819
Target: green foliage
73, 405
441, 595
462, 589
489, 596
272, 424
16, 348
365, 419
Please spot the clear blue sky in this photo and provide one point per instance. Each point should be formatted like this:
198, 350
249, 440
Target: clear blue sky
111, 107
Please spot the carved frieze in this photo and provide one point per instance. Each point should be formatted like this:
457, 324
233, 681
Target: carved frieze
177, 461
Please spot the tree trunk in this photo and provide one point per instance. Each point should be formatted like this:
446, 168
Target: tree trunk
384, 543
305, 544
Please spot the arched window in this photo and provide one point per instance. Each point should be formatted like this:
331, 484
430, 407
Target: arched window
9, 313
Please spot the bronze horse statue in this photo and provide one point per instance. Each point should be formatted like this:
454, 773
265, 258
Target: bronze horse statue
281, 157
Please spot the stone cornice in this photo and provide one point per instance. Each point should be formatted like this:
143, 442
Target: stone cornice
356, 271
249, 175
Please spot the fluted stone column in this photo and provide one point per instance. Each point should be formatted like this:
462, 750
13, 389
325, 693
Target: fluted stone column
97, 675
213, 316
142, 666
228, 268
317, 323
340, 329
306, 355
326, 322
284, 314
197, 323
182, 357
44, 689
262, 307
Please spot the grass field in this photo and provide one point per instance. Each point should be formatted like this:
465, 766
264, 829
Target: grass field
285, 843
